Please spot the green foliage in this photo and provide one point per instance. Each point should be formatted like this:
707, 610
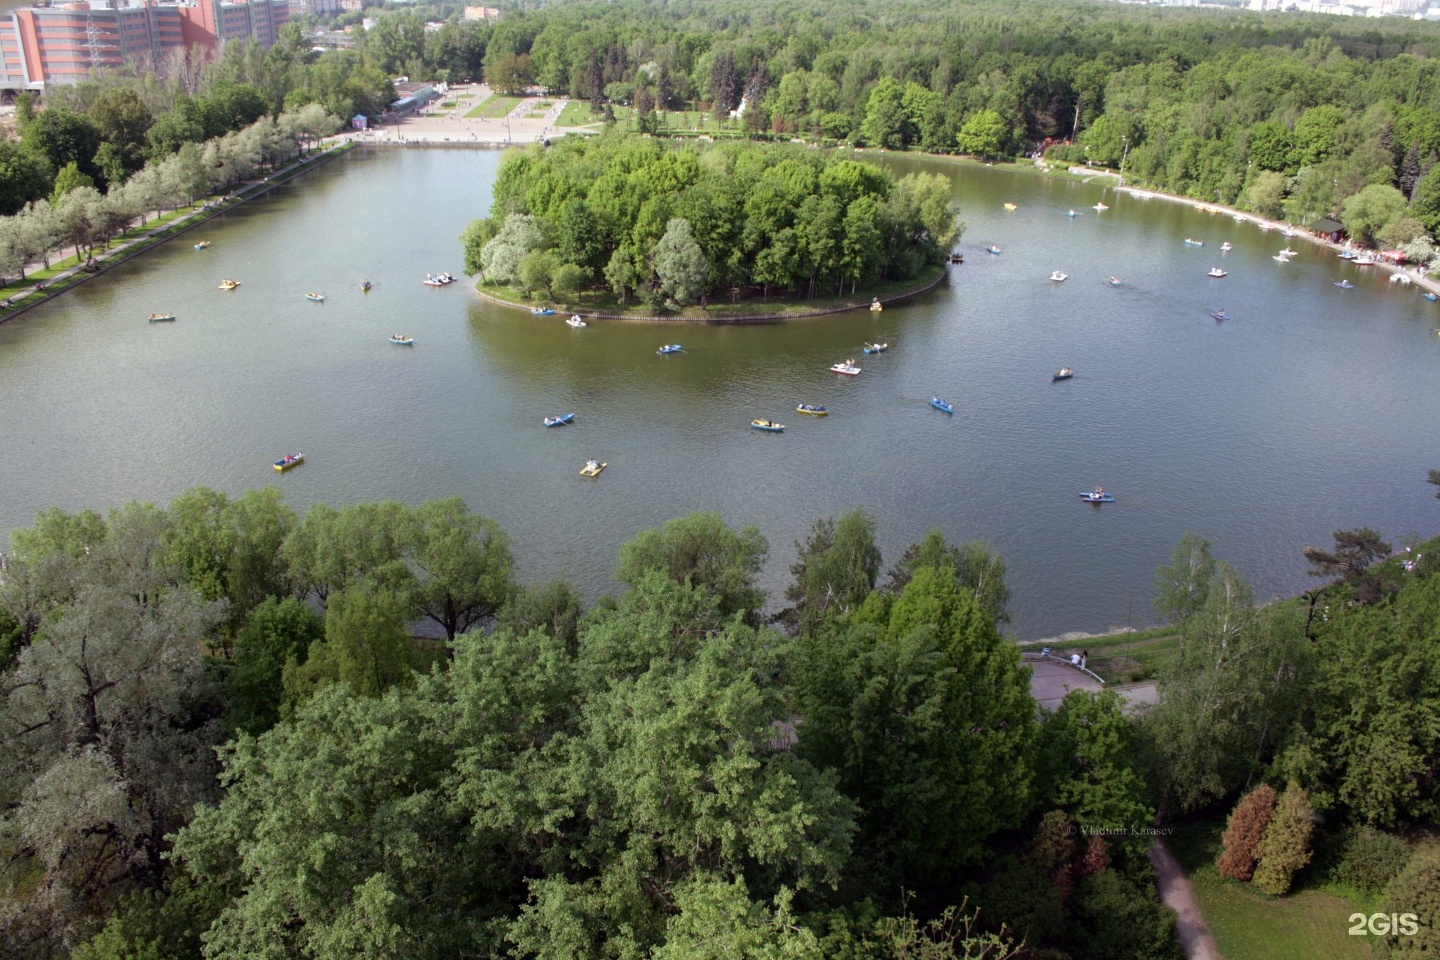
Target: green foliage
462, 565
977, 569
1182, 588
700, 550
1286, 845
23, 177
1117, 916
680, 264
1350, 563
835, 571
157, 924
1415, 890
1244, 832
984, 134
501, 257
1370, 858
277, 632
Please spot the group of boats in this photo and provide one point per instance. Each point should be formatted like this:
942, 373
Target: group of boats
441, 280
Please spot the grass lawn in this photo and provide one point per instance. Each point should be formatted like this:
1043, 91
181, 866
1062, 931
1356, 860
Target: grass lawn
1306, 924
497, 106
1128, 657
577, 114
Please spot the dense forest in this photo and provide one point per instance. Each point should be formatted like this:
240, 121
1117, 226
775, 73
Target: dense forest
225, 735
674, 225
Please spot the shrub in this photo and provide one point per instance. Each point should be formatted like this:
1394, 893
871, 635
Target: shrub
1370, 858
1415, 890
1244, 832
1286, 847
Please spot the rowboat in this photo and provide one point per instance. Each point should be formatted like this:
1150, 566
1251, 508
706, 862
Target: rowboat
669, 348
1227, 246
876, 306
1280, 258
229, 284
1344, 284
1011, 206
316, 297
993, 249
1216, 272
542, 311
846, 367
560, 421
288, 461
403, 340
1098, 495
1064, 373
160, 317
1430, 296
592, 468
1194, 243
365, 287
1288, 251
1219, 314
1072, 213
768, 425
203, 244
941, 405
1100, 206
1115, 281
813, 410
877, 347
1059, 277
576, 322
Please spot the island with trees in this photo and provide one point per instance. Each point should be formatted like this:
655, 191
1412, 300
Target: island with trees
631, 218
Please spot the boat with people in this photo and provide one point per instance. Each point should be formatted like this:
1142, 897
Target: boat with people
1289, 251
1344, 284
1059, 277
1400, 278
770, 426
542, 311
560, 421
1011, 206
401, 339
1115, 281
1280, 258
1100, 206
365, 286
993, 249
1220, 314
202, 245
876, 347
1430, 296
942, 405
288, 461
161, 317
315, 297
228, 284
1226, 247
438, 279
1192, 242
1366, 260
1098, 495
847, 367
592, 468
1266, 226
576, 322
812, 409
1346, 254
669, 348
1241, 218
1072, 213
1064, 373
875, 305
1216, 272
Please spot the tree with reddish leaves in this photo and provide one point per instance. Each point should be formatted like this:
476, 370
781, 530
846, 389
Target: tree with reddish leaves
1244, 831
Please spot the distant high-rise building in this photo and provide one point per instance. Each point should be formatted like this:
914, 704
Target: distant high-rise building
63, 44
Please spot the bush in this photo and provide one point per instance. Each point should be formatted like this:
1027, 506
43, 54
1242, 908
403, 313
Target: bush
1370, 858
1286, 847
1415, 890
1244, 832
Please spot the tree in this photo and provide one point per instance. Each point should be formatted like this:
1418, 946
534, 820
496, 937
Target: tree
67, 180
984, 134
1350, 562
1286, 846
1267, 193
23, 177
700, 550
60, 137
1365, 213
1244, 832
107, 722
462, 564
885, 118
976, 569
1182, 588
835, 570
680, 264
500, 258
1416, 890
277, 632
366, 647
123, 121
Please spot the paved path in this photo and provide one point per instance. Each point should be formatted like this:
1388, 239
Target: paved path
1178, 895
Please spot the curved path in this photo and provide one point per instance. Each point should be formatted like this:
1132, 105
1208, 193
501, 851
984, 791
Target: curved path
1178, 895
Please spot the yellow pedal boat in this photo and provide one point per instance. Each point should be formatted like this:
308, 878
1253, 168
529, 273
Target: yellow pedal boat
593, 468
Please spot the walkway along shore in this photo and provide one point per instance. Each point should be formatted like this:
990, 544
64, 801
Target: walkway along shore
53, 286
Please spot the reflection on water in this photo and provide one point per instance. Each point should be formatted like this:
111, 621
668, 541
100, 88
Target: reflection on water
1295, 417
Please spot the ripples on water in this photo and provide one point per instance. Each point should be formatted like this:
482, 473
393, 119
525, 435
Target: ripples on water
1306, 412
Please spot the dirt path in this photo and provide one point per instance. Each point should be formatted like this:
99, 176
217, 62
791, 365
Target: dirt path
1179, 896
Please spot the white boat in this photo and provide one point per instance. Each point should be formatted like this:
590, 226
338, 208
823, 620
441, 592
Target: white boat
1280, 258
846, 367
1241, 218
1057, 276
575, 321
1100, 206
1227, 246
1216, 272
1399, 278
1366, 260
1288, 251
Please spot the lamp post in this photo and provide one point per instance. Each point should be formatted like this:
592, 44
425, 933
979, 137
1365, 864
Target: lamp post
1125, 153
